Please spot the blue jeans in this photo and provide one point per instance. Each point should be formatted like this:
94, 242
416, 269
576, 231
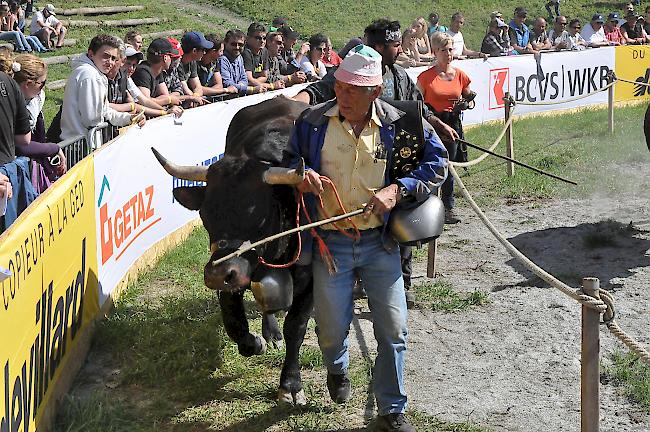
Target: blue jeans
381, 273
18, 38
35, 43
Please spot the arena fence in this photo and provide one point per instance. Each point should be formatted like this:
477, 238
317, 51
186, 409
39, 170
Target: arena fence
75, 149
71, 252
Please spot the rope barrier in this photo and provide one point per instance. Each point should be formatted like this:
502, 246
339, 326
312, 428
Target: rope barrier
633, 82
575, 98
491, 148
603, 305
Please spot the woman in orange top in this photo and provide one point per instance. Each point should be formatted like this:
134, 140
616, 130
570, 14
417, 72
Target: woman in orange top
442, 86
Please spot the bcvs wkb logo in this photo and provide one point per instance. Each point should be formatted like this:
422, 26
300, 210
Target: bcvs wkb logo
499, 86
642, 88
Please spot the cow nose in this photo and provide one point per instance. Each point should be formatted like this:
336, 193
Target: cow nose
231, 276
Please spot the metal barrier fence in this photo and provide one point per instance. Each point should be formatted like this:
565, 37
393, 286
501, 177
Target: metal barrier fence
75, 149
101, 134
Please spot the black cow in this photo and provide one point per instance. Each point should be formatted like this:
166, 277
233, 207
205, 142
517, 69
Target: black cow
248, 197
646, 127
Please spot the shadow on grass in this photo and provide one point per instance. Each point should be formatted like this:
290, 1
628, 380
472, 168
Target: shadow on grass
607, 249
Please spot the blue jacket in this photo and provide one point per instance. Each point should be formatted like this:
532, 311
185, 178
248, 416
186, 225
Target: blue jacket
308, 138
519, 36
19, 174
233, 73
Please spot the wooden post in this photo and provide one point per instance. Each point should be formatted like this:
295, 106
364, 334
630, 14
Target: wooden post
590, 358
610, 108
510, 150
431, 253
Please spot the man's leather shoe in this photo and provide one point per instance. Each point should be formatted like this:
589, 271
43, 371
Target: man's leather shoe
450, 217
410, 298
394, 422
339, 387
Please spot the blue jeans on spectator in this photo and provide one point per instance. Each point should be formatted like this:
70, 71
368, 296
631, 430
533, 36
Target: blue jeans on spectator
381, 273
35, 43
18, 38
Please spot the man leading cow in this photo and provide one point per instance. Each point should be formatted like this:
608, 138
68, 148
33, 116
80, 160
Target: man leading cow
355, 141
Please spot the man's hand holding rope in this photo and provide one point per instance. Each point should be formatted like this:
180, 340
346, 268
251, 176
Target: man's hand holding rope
383, 201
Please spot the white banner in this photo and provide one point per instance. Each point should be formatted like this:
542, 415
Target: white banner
557, 77
134, 203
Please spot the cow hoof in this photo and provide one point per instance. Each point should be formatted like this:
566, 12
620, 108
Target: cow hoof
286, 397
276, 344
262, 348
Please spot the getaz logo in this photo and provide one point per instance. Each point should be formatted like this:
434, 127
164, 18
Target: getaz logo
499, 86
561, 84
642, 88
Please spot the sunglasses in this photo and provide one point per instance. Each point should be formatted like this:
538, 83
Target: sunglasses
259, 38
562, 24
576, 27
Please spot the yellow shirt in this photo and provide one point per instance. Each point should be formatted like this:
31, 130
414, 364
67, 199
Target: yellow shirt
352, 165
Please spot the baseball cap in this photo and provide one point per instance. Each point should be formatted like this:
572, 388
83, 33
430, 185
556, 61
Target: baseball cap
278, 22
195, 39
496, 14
161, 46
361, 67
598, 18
50, 8
521, 12
614, 15
177, 46
132, 52
498, 22
289, 33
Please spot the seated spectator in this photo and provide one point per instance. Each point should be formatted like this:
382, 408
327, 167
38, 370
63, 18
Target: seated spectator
594, 33
16, 22
311, 64
231, 64
559, 27
646, 21
169, 83
520, 33
330, 59
555, 4
572, 39
124, 95
6, 34
292, 58
612, 31
632, 30
85, 101
497, 42
460, 49
279, 76
134, 38
256, 57
148, 74
421, 39
47, 27
193, 44
208, 69
410, 57
539, 37
434, 25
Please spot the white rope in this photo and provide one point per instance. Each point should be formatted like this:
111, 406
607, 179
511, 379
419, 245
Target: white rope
633, 82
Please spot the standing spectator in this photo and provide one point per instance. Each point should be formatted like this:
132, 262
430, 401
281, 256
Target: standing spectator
572, 39
434, 25
460, 49
208, 69
632, 30
278, 23
170, 82
85, 101
7, 34
555, 34
496, 42
134, 38
330, 59
231, 64
279, 75
442, 86
594, 33
312, 64
520, 33
612, 31
539, 37
646, 21
256, 57
194, 45
629, 7
148, 74
46, 27
421, 39
555, 4
289, 38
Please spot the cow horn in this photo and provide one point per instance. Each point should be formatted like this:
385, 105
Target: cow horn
194, 173
288, 176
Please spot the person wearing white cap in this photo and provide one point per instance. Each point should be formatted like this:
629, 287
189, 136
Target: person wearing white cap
46, 27
375, 155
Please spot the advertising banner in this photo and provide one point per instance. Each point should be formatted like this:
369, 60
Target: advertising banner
134, 204
49, 297
551, 78
633, 64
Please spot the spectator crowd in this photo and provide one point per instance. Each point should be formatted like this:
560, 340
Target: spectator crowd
122, 82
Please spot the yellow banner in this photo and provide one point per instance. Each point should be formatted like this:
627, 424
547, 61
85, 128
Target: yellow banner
50, 296
633, 64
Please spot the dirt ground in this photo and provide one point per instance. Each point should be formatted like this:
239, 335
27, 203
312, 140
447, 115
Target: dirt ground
514, 364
